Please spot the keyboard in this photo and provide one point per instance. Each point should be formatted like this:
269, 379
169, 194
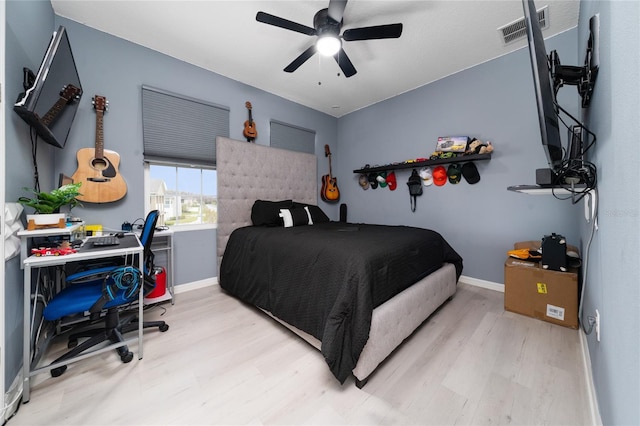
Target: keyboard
107, 240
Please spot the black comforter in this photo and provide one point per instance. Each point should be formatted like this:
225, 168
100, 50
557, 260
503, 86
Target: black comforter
326, 279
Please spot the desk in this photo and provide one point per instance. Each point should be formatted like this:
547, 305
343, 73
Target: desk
30, 367
25, 235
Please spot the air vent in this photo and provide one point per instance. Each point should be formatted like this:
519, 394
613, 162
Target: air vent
517, 29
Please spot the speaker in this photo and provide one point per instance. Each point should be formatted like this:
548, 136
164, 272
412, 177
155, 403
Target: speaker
343, 212
554, 252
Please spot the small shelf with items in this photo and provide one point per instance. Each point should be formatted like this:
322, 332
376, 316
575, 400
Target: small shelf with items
410, 164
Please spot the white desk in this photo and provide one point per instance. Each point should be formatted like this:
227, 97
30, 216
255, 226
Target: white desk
30, 367
41, 233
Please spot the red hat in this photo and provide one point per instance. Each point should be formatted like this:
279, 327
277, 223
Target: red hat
439, 175
391, 180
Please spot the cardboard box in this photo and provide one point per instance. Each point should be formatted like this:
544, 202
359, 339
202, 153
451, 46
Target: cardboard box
530, 290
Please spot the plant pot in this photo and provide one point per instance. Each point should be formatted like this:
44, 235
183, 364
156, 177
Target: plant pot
51, 220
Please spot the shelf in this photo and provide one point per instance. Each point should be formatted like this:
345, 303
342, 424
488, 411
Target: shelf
542, 190
405, 165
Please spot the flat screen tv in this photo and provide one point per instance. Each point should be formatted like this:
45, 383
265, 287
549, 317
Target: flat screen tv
50, 101
545, 95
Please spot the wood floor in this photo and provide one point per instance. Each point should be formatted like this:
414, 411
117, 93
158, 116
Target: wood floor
222, 362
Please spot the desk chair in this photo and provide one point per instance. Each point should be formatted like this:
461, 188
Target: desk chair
107, 288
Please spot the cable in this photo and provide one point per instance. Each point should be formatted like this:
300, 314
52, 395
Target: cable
34, 157
594, 225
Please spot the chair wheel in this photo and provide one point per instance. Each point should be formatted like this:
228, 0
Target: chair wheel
163, 327
126, 357
57, 372
72, 343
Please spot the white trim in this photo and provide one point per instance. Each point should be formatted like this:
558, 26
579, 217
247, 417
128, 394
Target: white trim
490, 285
195, 285
5, 410
594, 411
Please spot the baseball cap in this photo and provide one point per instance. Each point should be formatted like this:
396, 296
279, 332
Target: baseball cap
454, 173
470, 173
439, 176
426, 175
391, 180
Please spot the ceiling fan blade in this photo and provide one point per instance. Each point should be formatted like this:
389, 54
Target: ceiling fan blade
284, 23
372, 33
345, 63
301, 59
336, 9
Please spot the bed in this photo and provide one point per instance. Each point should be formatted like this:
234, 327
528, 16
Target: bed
297, 274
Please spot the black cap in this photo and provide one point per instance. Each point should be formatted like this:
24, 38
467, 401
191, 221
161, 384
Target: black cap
470, 173
454, 173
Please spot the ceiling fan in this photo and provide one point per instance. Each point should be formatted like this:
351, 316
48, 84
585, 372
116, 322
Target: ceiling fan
327, 24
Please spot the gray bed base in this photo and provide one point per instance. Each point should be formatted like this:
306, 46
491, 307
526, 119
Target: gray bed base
248, 172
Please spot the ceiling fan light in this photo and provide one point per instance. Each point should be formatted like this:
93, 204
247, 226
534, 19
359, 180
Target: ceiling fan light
328, 45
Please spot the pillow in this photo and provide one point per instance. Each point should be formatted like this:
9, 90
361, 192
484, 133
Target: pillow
317, 215
295, 217
267, 213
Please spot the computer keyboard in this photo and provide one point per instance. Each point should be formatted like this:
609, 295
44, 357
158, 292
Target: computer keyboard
107, 240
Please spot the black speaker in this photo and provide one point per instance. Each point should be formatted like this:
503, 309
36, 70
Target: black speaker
554, 252
343, 212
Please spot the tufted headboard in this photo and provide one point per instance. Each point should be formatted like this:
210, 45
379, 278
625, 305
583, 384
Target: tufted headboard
248, 172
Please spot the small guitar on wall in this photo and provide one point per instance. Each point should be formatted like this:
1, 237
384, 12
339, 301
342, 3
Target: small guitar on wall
250, 131
329, 191
98, 167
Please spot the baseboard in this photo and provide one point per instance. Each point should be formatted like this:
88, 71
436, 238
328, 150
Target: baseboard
594, 411
482, 283
12, 398
195, 285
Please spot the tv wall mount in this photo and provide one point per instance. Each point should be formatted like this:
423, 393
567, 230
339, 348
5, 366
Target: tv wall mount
583, 77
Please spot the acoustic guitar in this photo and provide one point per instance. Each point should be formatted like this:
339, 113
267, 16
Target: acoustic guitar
250, 131
98, 167
329, 191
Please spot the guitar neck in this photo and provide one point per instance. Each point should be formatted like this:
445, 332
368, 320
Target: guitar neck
54, 111
99, 134
330, 173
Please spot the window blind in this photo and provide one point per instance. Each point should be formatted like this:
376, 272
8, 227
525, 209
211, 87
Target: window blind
293, 138
181, 130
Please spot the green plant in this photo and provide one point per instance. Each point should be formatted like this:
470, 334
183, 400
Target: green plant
50, 202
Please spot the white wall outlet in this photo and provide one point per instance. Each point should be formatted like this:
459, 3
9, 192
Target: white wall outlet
597, 325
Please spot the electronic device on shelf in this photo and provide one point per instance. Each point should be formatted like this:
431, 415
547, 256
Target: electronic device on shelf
567, 166
51, 97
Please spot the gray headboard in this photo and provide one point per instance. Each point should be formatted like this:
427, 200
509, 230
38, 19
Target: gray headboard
248, 172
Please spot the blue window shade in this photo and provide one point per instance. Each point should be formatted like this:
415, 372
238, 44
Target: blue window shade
293, 138
181, 130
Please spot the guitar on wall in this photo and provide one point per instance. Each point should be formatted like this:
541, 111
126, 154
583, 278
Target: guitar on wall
249, 131
68, 95
329, 191
98, 167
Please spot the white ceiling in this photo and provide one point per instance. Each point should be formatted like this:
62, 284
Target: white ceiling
439, 38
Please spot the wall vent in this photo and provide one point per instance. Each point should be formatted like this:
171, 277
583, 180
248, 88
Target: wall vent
517, 29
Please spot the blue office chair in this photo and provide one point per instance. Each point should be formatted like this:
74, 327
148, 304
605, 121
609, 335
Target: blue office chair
109, 288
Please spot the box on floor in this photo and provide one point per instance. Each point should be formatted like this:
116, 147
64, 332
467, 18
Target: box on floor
541, 293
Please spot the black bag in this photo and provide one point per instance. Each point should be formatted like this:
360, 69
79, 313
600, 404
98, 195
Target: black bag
415, 188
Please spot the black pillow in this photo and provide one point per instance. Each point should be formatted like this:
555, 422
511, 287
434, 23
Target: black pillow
317, 215
267, 213
294, 217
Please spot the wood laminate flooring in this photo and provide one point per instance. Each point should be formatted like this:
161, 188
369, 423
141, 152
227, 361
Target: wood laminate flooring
222, 362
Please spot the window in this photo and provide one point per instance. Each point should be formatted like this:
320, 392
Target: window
293, 138
182, 195
179, 136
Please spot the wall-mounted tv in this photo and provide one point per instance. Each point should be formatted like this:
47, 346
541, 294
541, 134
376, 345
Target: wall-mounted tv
51, 99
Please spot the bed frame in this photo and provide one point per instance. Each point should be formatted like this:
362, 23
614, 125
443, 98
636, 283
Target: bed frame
248, 172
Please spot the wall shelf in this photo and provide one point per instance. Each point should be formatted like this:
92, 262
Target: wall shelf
416, 164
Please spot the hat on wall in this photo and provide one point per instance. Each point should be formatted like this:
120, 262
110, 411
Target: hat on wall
439, 176
391, 180
426, 175
470, 173
364, 181
454, 173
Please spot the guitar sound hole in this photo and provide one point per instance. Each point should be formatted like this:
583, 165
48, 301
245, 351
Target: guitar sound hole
99, 164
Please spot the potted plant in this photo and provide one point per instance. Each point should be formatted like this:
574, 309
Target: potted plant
47, 204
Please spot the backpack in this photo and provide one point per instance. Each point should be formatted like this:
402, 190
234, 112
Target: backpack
415, 188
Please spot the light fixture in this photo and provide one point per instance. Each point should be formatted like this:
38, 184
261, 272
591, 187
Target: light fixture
328, 44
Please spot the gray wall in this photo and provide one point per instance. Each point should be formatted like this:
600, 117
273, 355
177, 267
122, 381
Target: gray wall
612, 284
494, 101
28, 29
